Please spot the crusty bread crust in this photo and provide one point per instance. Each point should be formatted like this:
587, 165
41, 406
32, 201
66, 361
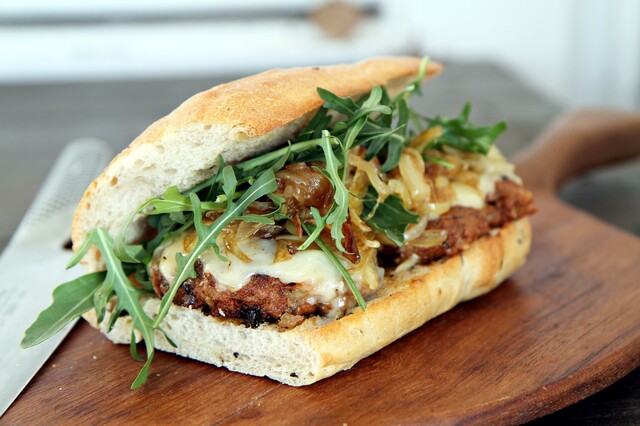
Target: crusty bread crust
236, 120
317, 349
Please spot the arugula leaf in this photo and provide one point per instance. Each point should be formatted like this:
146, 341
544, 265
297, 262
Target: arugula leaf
404, 114
115, 314
101, 298
383, 139
211, 194
441, 161
340, 210
415, 86
210, 183
394, 151
369, 106
314, 128
257, 164
128, 297
167, 230
132, 253
389, 217
320, 224
172, 201
207, 235
257, 218
346, 105
70, 301
460, 133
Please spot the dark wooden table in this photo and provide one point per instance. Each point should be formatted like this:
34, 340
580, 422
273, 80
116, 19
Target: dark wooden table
36, 121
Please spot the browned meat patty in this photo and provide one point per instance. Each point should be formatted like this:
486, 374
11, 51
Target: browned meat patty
262, 299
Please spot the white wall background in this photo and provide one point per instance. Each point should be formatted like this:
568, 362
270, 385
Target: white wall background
578, 52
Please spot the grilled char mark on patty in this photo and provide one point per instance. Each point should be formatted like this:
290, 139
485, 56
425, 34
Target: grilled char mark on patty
262, 299
464, 225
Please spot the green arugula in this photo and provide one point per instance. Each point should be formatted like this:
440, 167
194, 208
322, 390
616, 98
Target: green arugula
389, 217
172, 201
339, 212
70, 301
128, 296
460, 133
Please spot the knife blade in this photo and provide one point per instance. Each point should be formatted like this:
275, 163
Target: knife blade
34, 262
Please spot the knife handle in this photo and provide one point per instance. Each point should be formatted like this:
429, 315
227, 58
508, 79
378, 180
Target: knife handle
576, 143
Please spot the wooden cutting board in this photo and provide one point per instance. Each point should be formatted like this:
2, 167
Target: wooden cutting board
562, 328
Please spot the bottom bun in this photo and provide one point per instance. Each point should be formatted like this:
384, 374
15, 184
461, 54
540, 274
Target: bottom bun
317, 349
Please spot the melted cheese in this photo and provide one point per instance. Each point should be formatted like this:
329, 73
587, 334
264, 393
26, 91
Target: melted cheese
467, 196
490, 168
310, 268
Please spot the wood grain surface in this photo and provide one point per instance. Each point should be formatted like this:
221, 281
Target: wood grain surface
562, 328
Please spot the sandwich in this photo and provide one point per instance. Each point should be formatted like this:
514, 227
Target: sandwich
292, 223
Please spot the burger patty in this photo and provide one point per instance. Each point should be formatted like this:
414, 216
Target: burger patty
465, 225
262, 299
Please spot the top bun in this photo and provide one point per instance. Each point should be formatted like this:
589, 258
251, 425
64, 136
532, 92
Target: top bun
237, 120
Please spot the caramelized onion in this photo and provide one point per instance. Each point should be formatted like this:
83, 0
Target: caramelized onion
189, 241
367, 269
409, 263
399, 188
414, 230
421, 140
283, 252
358, 187
437, 209
429, 238
231, 240
302, 187
268, 232
371, 171
350, 244
411, 168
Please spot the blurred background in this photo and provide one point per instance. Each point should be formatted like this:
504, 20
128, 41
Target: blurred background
576, 52
109, 68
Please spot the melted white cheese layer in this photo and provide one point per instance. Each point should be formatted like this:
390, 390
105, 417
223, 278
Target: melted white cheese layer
311, 268
491, 168
467, 196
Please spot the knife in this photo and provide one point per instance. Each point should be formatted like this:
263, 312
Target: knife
34, 262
